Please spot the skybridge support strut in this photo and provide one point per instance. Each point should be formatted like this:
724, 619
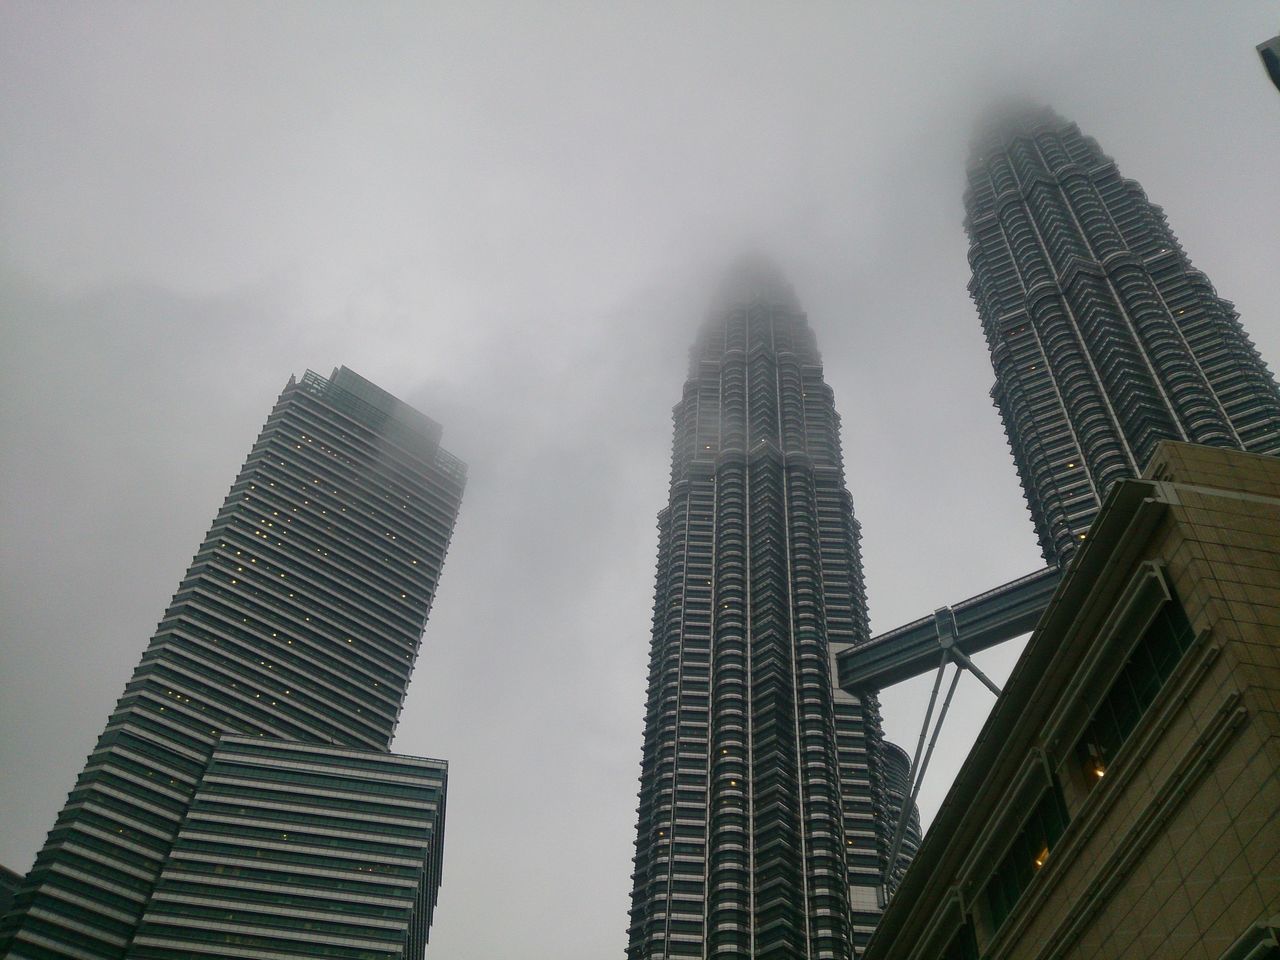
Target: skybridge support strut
945, 625
950, 635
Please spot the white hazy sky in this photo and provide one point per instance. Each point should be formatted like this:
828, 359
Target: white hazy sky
513, 216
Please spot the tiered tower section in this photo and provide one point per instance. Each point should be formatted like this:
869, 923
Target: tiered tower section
760, 800
298, 622
897, 779
1104, 338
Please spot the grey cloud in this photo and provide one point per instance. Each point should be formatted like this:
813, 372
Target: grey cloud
514, 216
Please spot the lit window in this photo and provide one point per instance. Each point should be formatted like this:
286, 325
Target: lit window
1028, 852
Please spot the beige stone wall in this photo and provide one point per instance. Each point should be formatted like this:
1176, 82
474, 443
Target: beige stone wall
1180, 854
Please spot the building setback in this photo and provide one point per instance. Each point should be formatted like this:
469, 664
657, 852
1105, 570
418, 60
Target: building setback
298, 849
1104, 338
297, 624
763, 816
1121, 798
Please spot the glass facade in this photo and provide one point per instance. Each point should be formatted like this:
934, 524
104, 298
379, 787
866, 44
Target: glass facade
1104, 338
1028, 852
1149, 664
762, 820
897, 781
300, 850
299, 620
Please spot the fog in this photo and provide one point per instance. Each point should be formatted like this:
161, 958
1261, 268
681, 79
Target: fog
514, 217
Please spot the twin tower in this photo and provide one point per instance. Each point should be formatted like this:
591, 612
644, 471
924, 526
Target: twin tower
242, 800
767, 802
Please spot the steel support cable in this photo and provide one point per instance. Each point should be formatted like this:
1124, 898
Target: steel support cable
962, 660
915, 760
917, 778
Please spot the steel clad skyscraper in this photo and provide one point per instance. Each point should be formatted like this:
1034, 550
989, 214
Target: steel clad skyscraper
241, 799
763, 814
1104, 338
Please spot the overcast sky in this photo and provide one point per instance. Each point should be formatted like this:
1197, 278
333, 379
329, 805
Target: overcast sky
513, 217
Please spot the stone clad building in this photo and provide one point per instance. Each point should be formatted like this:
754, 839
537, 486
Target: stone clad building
1122, 798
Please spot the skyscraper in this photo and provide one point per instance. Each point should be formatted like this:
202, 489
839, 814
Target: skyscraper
762, 817
1269, 51
283, 657
897, 780
1104, 338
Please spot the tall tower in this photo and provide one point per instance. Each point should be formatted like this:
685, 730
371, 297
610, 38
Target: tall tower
1104, 338
281, 665
762, 813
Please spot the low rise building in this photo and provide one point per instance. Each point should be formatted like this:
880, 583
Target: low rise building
1122, 798
301, 850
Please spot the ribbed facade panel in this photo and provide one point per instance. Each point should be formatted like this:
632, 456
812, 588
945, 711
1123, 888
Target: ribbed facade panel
299, 619
897, 778
760, 798
1104, 338
300, 850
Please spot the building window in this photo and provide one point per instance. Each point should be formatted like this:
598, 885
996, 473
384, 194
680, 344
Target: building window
1153, 658
1027, 854
963, 946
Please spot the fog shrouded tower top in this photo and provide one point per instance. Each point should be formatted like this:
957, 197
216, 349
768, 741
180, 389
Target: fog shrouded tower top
761, 819
1104, 338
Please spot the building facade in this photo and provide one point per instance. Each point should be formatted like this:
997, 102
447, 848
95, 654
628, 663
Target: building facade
301, 850
1121, 799
897, 785
1269, 51
9, 883
298, 622
762, 813
1104, 338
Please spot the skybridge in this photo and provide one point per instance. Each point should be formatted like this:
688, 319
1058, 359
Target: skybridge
960, 630
949, 636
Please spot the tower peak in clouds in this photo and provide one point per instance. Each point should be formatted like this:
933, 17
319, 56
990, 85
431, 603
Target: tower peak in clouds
751, 276
1010, 115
